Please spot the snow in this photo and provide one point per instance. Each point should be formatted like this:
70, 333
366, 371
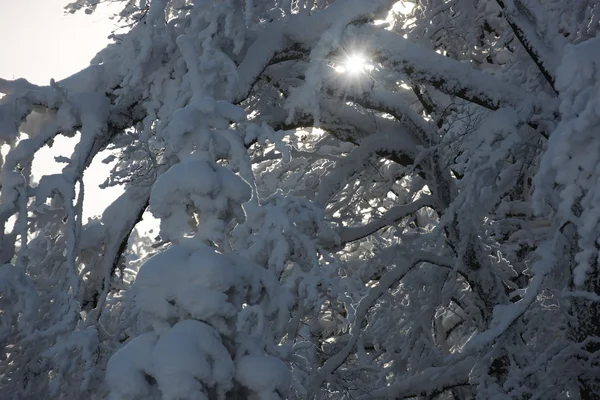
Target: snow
504, 315
264, 375
266, 45
229, 111
448, 75
571, 158
212, 190
51, 184
193, 279
127, 369
97, 78
14, 108
35, 122
8, 87
546, 55
306, 97
190, 357
373, 95
284, 229
427, 381
318, 264
19, 300
350, 234
184, 361
358, 159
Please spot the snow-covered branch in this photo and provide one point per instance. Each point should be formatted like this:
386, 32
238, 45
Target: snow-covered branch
275, 37
452, 77
381, 100
525, 31
275, 142
389, 279
350, 234
425, 383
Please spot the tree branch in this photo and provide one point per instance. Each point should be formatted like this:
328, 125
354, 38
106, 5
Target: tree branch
119, 225
342, 123
350, 234
389, 279
431, 380
533, 44
380, 100
452, 77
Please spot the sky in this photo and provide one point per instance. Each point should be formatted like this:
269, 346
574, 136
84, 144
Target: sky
39, 42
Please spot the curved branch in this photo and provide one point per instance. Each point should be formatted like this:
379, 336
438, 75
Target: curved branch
347, 124
445, 74
381, 100
8, 87
431, 380
350, 234
258, 57
275, 37
388, 280
120, 218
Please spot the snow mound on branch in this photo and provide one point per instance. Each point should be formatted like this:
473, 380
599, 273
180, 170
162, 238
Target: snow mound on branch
198, 188
189, 355
189, 282
572, 157
266, 376
198, 282
200, 125
283, 229
128, 368
184, 361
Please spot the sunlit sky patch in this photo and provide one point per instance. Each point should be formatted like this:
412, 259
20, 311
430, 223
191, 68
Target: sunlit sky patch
354, 64
355, 61
39, 42
401, 7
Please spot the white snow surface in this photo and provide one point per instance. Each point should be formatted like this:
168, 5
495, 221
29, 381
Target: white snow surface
212, 191
572, 157
188, 357
267, 376
190, 282
194, 280
127, 369
184, 361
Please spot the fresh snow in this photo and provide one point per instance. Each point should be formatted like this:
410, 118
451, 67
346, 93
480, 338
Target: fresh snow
425, 227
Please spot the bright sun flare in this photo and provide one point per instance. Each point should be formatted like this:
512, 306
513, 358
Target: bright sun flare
355, 64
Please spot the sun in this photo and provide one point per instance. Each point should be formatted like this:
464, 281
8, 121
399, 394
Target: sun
354, 64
